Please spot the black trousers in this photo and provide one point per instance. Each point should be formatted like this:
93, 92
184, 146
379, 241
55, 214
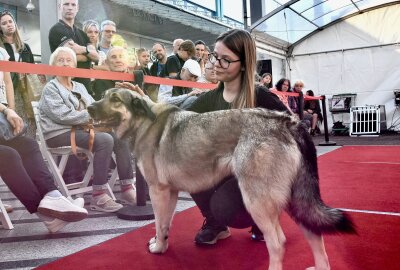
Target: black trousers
224, 204
24, 171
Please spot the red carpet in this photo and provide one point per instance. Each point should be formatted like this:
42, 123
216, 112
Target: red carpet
362, 177
349, 186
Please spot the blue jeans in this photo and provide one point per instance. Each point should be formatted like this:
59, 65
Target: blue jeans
24, 171
103, 146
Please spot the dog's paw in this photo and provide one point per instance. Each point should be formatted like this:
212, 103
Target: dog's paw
157, 248
152, 241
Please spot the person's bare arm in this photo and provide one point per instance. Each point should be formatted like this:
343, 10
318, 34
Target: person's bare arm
83, 53
172, 74
93, 54
9, 90
13, 118
130, 86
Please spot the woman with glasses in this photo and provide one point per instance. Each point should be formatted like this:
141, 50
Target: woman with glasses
234, 63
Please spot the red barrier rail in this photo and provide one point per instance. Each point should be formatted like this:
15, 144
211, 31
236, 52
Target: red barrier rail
93, 74
108, 75
280, 93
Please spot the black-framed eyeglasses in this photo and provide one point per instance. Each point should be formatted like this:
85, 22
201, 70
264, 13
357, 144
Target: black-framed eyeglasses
224, 63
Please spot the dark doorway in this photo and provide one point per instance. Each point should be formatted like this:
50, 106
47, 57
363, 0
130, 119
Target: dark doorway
264, 66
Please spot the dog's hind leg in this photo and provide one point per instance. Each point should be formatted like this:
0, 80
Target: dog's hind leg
266, 216
164, 201
317, 245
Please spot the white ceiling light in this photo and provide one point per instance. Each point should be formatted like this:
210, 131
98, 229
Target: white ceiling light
30, 6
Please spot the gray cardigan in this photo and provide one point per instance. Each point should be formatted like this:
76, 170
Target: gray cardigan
58, 108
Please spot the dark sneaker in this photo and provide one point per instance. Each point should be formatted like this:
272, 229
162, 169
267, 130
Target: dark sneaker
256, 234
211, 232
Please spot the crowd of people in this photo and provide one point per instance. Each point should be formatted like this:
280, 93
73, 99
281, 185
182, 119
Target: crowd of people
231, 65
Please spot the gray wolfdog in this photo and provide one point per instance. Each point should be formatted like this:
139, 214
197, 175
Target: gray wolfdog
270, 153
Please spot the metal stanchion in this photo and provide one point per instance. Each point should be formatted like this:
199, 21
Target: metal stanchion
142, 210
327, 142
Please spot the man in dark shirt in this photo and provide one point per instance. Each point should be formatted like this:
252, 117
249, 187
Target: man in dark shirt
65, 33
157, 69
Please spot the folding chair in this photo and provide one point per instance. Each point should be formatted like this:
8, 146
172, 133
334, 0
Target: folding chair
52, 154
4, 218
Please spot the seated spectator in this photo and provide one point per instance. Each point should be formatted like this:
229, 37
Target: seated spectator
266, 80
182, 96
294, 104
312, 108
63, 106
283, 85
175, 62
117, 61
29, 179
209, 76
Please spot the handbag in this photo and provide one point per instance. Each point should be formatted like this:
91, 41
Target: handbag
7, 131
31, 89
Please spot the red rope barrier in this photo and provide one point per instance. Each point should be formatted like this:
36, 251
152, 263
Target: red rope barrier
93, 74
280, 93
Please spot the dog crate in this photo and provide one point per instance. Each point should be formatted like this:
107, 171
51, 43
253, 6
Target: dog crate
365, 120
339, 106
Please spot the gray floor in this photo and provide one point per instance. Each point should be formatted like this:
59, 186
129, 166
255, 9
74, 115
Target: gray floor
29, 244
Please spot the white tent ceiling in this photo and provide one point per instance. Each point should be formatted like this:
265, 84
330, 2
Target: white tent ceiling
292, 21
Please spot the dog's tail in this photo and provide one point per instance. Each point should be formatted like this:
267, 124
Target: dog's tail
306, 206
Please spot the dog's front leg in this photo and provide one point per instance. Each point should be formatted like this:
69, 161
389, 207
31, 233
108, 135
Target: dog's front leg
164, 201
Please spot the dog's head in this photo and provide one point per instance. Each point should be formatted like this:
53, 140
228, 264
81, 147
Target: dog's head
119, 108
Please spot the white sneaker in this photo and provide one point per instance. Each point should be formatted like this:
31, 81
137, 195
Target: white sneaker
104, 203
128, 196
61, 208
57, 224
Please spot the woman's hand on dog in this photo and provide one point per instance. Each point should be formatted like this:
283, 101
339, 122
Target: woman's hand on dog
130, 86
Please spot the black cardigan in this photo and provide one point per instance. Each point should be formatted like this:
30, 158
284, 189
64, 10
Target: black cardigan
26, 54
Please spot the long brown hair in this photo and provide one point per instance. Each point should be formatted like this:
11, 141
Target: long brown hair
241, 43
19, 44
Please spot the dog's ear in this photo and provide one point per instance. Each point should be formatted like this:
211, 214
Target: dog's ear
140, 107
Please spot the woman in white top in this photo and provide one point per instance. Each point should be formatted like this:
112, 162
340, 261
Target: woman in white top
6, 86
